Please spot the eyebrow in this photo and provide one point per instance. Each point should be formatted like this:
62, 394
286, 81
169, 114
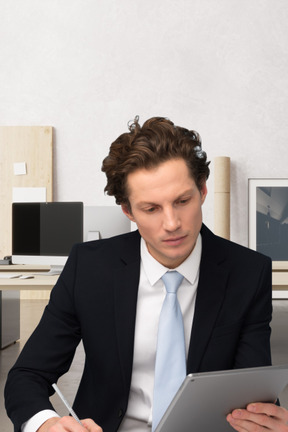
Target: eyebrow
151, 203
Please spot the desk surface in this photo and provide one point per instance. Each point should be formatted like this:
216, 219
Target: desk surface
38, 282
24, 268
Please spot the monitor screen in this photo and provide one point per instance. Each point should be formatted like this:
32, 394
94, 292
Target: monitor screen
44, 233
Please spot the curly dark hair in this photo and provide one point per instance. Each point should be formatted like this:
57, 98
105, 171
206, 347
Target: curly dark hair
157, 141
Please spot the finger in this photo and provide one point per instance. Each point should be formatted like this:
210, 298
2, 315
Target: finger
242, 421
269, 409
234, 424
250, 421
67, 424
91, 426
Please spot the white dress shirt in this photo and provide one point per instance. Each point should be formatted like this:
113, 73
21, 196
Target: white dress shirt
151, 295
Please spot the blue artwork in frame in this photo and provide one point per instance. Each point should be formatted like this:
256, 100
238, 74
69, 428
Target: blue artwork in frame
268, 217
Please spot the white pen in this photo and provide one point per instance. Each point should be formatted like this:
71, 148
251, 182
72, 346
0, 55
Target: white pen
68, 406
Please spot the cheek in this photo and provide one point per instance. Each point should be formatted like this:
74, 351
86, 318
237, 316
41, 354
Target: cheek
194, 217
148, 229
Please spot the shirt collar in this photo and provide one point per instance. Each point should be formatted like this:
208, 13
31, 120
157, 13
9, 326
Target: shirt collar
189, 268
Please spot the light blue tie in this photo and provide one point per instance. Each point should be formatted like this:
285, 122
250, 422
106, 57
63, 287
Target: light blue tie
170, 367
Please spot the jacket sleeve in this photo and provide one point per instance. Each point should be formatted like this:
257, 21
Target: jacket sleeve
253, 348
47, 354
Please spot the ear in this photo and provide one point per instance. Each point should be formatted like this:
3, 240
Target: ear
203, 193
127, 212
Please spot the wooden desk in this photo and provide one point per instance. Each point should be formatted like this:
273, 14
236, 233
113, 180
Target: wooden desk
37, 283
10, 290
23, 268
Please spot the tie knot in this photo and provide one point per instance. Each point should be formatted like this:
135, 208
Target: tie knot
172, 280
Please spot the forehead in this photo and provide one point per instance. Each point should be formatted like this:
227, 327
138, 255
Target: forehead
168, 178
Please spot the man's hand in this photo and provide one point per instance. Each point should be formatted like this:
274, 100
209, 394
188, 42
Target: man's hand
69, 424
259, 417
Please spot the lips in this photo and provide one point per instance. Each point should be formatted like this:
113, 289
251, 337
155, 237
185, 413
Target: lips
174, 241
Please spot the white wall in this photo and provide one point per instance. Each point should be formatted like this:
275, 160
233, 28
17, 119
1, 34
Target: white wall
86, 67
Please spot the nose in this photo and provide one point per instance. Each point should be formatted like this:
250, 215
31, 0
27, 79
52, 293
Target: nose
171, 220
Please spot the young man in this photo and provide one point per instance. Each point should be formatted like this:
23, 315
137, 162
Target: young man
110, 295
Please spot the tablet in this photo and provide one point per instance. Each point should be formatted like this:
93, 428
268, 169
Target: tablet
204, 399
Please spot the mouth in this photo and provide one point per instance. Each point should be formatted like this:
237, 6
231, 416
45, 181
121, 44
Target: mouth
175, 241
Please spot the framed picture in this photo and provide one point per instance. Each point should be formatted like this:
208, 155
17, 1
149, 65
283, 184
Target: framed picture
268, 218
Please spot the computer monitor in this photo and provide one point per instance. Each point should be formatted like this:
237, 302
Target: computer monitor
43, 233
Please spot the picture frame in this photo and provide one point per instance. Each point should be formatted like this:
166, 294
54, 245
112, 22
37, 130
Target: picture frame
268, 218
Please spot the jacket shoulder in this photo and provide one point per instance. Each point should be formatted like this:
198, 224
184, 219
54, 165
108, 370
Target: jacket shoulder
213, 244
126, 246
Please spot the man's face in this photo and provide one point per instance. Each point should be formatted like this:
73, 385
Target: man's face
167, 208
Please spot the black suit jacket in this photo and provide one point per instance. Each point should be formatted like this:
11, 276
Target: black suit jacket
95, 300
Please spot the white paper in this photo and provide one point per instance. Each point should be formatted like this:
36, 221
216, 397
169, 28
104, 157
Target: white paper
20, 168
29, 194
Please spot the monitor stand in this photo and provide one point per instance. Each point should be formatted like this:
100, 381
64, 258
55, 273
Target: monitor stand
54, 270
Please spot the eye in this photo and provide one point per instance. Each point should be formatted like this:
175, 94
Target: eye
183, 201
150, 210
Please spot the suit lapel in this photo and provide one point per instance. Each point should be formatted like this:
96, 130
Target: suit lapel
126, 281
210, 294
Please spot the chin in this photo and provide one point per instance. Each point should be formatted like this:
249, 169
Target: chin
175, 261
